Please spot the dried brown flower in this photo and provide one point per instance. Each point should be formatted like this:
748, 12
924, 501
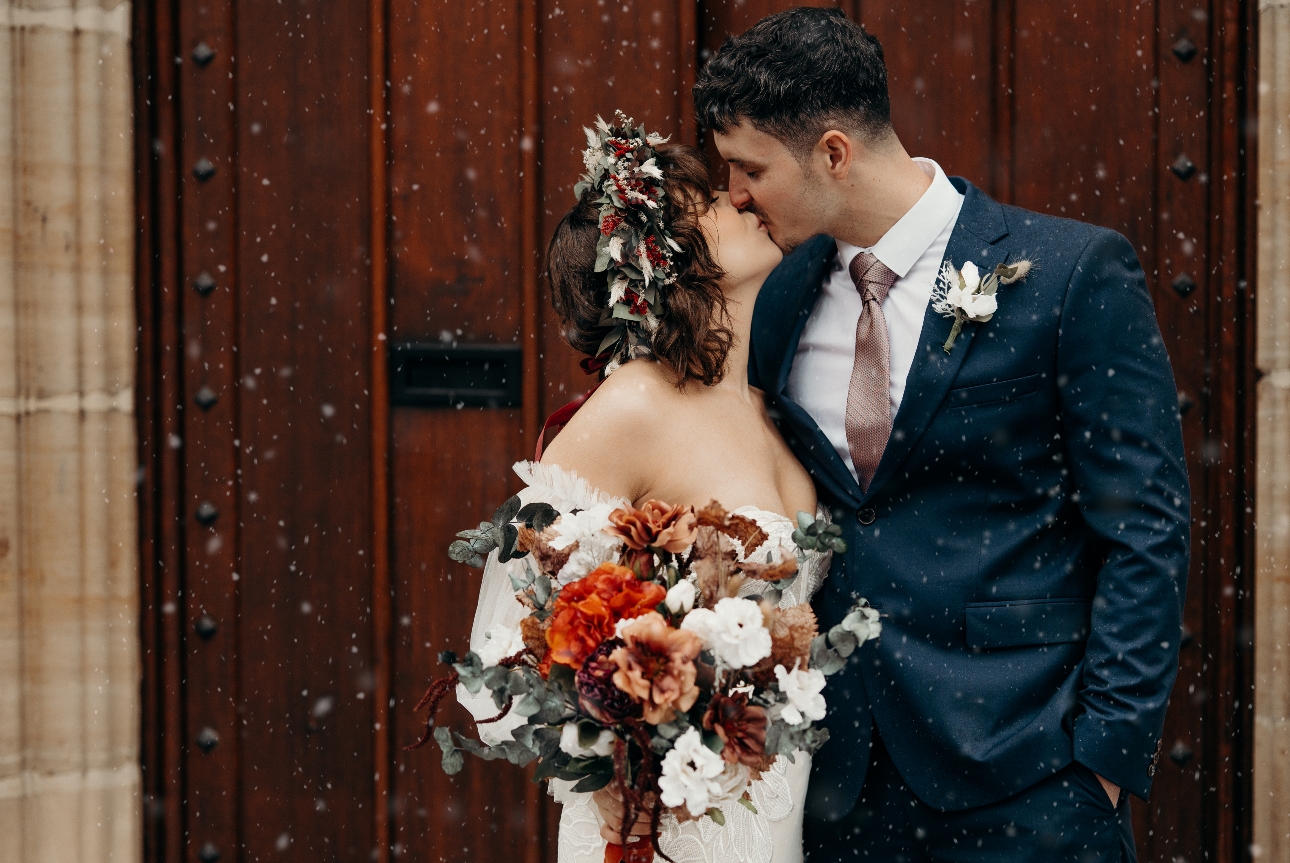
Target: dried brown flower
655, 525
741, 727
712, 562
547, 558
739, 527
791, 631
786, 568
534, 633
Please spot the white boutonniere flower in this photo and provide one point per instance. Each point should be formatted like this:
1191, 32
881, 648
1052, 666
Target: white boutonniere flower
965, 295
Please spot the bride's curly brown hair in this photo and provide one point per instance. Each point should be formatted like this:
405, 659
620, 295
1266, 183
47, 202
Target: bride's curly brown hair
693, 337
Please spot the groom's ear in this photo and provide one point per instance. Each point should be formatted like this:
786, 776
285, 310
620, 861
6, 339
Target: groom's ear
834, 153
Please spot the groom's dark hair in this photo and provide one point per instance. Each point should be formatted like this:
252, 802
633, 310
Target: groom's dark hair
795, 75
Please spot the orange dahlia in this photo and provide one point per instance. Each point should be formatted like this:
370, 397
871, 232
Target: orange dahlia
587, 610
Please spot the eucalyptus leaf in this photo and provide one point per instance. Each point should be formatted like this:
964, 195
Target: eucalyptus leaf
603, 260
507, 550
715, 814
843, 641
462, 552
588, 734
547, 768
748, 804
527, 706
804, 520
505, 513
541, 589
594, 782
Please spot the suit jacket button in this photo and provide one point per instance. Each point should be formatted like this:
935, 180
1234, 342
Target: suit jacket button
866, 516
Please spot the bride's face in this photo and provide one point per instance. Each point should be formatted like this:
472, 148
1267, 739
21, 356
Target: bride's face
739, 242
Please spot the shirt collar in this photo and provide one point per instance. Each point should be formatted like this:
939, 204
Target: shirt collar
907, 240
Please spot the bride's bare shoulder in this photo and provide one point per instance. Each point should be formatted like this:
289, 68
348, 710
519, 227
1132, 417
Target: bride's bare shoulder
608, 442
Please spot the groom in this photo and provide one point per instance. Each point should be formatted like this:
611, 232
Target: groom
1016, 503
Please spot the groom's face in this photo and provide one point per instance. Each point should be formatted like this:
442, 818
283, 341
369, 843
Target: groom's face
768, 180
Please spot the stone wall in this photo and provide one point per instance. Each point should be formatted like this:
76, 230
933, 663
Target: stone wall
1272, 590
69, 651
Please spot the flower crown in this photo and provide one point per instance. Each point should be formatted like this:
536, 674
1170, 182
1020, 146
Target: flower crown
635, 248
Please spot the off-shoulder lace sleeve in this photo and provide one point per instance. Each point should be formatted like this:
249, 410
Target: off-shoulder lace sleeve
495, 633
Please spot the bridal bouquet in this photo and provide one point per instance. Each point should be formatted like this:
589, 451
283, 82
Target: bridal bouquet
638, 663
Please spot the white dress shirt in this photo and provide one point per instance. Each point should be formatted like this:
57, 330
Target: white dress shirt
912, 249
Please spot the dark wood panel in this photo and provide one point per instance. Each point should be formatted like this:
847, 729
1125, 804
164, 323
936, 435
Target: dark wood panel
940, 65
159, 392
445, 478
597, 58
209, 365
306, 647
455, 170
1175, 821
459, 152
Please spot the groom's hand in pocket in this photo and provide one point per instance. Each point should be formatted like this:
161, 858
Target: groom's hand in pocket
609, 800
1112, 790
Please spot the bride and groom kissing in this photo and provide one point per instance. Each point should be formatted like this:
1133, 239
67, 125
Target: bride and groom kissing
1003, 455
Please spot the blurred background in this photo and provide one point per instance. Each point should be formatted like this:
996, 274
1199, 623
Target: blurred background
271, 282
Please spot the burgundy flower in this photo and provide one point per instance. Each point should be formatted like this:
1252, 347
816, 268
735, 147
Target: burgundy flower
597, 693
741, 727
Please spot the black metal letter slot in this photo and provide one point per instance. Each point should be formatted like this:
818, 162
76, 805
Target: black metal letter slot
430, 375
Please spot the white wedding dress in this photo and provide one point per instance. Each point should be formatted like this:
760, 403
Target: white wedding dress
774, 833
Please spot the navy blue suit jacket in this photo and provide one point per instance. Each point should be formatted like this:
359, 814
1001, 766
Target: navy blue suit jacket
1025, 536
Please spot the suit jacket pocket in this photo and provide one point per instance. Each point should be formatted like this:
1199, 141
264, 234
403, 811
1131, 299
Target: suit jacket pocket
999, 391
1027, 622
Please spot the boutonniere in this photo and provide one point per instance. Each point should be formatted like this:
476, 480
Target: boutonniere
965, 295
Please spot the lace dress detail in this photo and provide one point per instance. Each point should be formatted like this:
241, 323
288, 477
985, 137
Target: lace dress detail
774, 834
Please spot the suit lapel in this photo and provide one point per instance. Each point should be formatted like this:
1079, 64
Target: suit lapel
783, 307
976, 237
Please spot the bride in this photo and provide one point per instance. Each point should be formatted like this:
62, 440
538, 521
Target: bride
673, 419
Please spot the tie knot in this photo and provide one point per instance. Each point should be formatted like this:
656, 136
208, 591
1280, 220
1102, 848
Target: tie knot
871, 276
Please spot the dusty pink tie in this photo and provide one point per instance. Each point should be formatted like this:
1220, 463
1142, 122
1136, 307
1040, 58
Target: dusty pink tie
868, 421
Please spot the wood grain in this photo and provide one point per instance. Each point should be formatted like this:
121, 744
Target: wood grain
395, 167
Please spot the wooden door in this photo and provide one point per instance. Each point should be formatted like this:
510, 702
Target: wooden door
322, 186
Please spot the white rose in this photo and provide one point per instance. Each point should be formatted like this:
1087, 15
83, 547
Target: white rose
574, 527
732, 782
681, 597
691, 774
603, 746
735, 631
593, 550
499, 644
805, 703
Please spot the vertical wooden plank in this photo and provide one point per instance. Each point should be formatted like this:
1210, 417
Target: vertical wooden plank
305, 353
382, 592
206, 355
940, 65
159, 393
464, 175
531, 210
1230, 316
1181, 251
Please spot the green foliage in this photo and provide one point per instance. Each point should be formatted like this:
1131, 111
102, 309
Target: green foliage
818, 535
473, 546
